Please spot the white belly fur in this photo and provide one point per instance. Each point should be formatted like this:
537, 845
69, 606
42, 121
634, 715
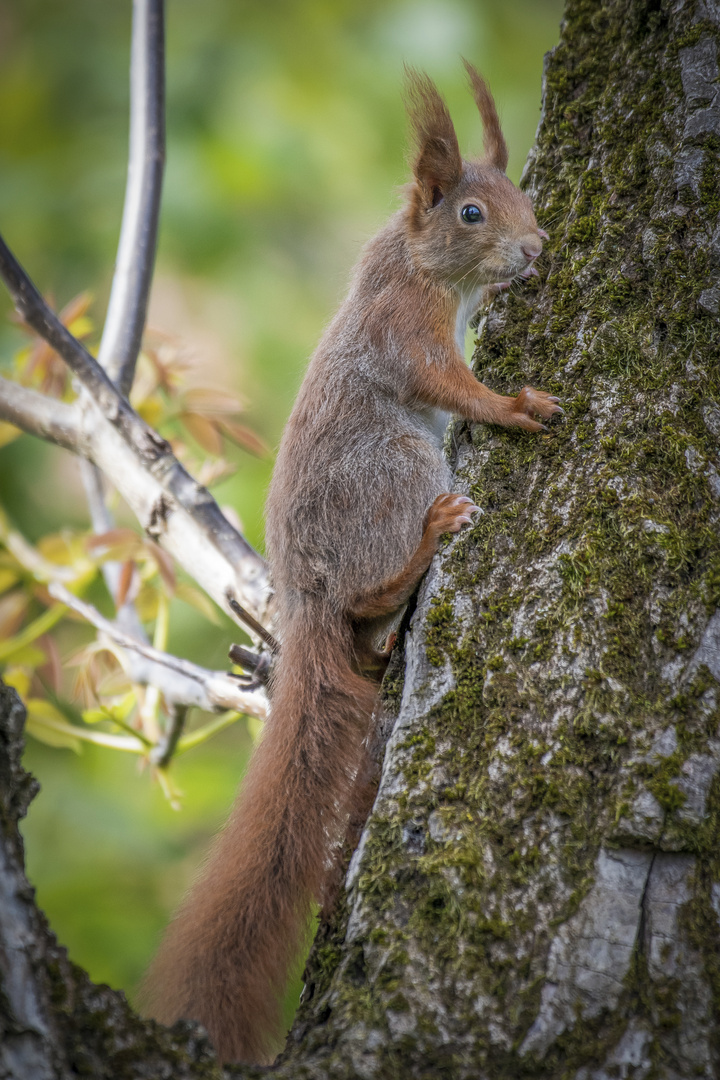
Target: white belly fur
436, 419
469, 303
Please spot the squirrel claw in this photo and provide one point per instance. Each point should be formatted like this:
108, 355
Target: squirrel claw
531, 401
450, 512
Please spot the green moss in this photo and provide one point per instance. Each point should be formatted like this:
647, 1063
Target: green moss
710, 176
440, 630
594, 567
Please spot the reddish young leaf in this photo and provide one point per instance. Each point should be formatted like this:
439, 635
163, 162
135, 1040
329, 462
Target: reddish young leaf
245, 437
203, 431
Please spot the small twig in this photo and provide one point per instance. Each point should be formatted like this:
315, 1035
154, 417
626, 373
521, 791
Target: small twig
245, 658
190, 684
93, 616
250, 620
258, 663
127, 308
202, 734
129, 743
165, 747
29, 557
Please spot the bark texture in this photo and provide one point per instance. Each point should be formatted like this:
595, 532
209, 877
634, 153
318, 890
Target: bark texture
54, 1023
537, 892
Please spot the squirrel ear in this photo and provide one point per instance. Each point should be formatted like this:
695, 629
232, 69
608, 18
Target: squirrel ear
437, 164
493, 140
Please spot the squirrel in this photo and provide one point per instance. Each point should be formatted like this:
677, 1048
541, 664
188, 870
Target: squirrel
359, 499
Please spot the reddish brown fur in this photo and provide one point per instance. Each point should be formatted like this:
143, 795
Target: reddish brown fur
226, 956
493, 139
358, 501
437, 164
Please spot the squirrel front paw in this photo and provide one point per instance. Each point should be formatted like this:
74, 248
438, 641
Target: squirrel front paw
449, 513
530, 403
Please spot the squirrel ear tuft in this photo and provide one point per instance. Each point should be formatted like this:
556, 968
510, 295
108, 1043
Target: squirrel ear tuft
493, 139
437, 164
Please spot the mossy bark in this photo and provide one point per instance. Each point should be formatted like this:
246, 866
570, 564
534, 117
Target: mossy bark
537, 891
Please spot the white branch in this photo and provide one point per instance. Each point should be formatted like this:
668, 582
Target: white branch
40, 415
180, 681
188, 536
171, 506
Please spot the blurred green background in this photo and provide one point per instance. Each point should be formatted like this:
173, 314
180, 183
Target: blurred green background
286, 148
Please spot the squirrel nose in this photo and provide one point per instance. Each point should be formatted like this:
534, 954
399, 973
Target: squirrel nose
531, 250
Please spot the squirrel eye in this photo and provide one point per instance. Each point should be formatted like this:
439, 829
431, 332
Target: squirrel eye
472, 214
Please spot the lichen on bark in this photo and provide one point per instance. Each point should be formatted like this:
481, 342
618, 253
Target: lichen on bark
537, 892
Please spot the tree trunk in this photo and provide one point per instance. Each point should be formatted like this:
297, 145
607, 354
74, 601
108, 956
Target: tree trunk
537, 891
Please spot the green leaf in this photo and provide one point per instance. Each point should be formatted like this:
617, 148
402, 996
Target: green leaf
34, 630
19, 679
95, 716
8, 433
48, 725
121, 709
7, 579
28, 656
202, 734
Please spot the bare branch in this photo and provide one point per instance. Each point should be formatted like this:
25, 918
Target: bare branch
162, 752
144, 458
127, 308
180, 681
36, 313
189, 536
40, 415
250, 621
125, 321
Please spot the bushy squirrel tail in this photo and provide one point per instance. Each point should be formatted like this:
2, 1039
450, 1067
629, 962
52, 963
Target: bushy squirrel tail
225, 957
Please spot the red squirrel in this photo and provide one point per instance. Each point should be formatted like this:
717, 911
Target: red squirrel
359, 499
